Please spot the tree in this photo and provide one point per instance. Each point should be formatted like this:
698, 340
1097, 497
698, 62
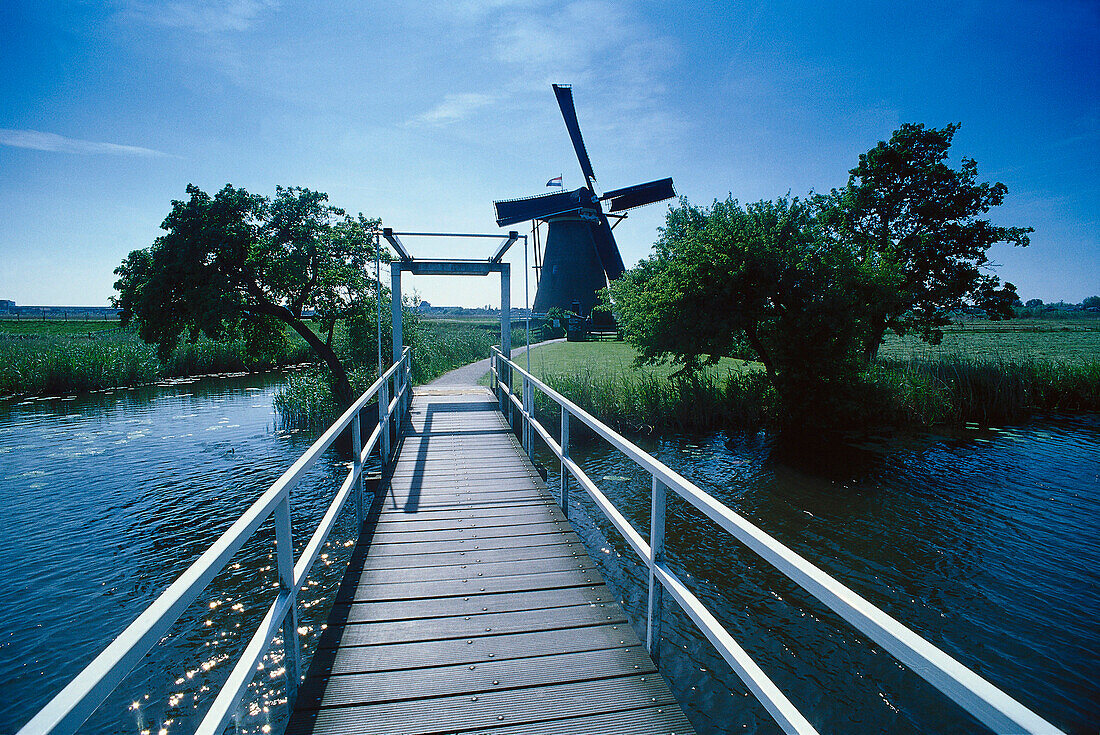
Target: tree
914, 224
1034, 303
762, 276
238, 263
1092, 302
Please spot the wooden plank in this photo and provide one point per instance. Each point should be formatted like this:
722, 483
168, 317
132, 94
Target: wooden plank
388, 686
484, 570
473, 585
470, 626
408, 546
512, 707
403, 656
424, 609
494, 527
474, 537
472, 605
536, 505
410, 523
648, 721
488, 556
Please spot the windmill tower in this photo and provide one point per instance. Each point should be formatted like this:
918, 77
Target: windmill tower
581, 255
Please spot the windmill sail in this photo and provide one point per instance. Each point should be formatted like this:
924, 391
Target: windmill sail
510, 211
564, 93
606, 248
639, 195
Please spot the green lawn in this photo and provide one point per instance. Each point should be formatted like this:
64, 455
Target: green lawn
1046, 340
568, 358
55, 327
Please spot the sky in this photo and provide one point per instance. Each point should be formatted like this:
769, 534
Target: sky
423, 113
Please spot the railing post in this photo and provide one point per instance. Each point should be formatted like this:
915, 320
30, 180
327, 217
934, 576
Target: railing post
657, 552
383, 424
357, 467
500, 379
531, 420
525, 417
393, 386
511, 392
284, 554
564, 501
408, 386
494, 374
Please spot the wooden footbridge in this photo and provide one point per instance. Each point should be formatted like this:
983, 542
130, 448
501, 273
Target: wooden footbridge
470, 605
473, 605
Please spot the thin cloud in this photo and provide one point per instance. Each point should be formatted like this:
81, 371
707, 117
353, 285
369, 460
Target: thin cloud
453, 108
39, 141
207, 18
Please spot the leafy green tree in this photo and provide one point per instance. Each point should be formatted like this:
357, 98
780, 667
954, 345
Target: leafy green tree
762, 276
1091, 302
1034, 303
239, 263
914, 224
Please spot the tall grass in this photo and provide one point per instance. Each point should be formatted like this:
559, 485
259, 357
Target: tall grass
891, 394
439, 348
645, 403
922, 393
53, 364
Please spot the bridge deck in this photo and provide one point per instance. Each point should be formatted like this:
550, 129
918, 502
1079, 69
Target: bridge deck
473, 606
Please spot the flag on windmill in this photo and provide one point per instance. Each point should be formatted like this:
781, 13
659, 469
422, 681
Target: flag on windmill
554, 182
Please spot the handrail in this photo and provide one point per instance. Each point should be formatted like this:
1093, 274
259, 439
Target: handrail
68, 710
983, 700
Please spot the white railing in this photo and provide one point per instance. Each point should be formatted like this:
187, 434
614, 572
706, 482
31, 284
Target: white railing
984, 701
75, 703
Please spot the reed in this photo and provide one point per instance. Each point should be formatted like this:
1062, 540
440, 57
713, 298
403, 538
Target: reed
891, 394
54, 364
646, 403
983, 391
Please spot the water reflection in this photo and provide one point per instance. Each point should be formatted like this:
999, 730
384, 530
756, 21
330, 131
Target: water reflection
107, 498
983, 541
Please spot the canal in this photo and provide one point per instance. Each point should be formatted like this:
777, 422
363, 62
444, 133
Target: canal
984, 542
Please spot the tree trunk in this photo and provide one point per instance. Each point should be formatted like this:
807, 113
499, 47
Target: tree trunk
758, 346
874, 339
342, 386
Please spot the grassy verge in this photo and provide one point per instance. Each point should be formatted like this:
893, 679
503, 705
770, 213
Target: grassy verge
982, 374
601, 377
67, 357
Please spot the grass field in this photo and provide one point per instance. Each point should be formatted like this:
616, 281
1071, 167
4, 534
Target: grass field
56, 327
983, 371
1045, 340
1023, 340
615, 359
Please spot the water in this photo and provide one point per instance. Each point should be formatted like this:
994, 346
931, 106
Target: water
985, 543
105, 500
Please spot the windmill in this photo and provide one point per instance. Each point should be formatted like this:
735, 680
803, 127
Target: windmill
580, 255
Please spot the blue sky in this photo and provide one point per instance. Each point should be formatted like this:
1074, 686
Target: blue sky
424, 112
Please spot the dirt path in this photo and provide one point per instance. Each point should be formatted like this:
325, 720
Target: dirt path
472, 373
